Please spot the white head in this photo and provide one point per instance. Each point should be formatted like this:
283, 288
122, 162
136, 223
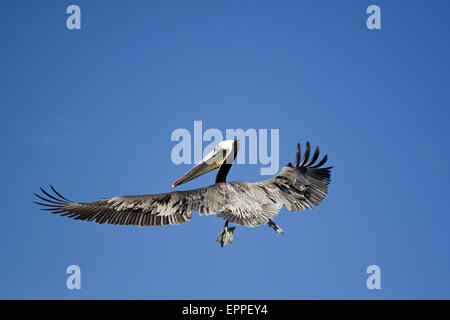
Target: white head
223, 153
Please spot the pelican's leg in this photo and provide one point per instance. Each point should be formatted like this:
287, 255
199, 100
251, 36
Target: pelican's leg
226, 236
275, 227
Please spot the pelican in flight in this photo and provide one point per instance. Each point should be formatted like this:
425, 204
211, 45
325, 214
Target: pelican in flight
297, 187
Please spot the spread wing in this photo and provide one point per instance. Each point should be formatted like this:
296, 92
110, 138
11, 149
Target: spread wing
295, 187
250, 204
300, 186
144, 210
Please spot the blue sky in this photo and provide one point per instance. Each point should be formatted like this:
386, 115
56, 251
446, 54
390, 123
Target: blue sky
91, 112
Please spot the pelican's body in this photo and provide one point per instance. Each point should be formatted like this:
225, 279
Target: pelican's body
244, 203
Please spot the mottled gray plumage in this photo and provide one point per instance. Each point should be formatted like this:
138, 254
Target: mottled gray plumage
248, 204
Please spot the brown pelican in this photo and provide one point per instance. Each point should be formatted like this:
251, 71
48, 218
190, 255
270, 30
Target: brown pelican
248, 204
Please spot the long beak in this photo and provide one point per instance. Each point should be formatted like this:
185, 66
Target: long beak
212, 161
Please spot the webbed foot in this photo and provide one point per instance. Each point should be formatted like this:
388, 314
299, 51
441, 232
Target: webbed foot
275, 227
226, 236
